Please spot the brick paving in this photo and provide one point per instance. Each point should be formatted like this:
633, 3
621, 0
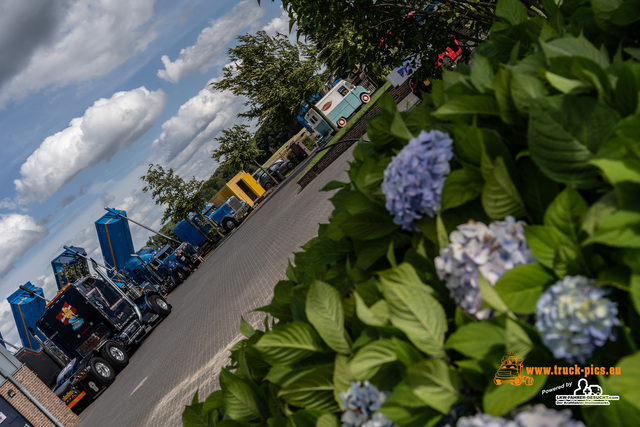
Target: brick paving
186, 352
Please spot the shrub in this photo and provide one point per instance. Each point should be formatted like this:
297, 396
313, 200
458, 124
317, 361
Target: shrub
539, 199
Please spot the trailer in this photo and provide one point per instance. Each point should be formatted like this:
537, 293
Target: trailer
93, 324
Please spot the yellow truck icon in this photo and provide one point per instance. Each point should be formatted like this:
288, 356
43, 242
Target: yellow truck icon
511, 371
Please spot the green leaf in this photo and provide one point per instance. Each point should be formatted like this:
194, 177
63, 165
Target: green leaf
467, 105
311, 391
477, 340
566, 85
443, 236
327, 420
368, 226
603, 207
370, 358
239, 401
500, 399
333, 185
490, 296
617, 171
500, 196
569, 47
433, 381
564, 133
368, 316
627, 383
194, 415
620, 230
525, 88
516, 338
289, 343
399, 128
521, 286
539, 190
566, 212
415, 312
460, 186
245, 328
634, 283
627, 88
545, 243
325, 313
341, 377
387, 104
511, 11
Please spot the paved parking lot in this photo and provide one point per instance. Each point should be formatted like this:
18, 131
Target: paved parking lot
186, 352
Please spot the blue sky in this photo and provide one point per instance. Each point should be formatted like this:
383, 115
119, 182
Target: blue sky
91, 93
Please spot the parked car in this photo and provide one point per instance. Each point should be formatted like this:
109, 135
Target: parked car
277, 169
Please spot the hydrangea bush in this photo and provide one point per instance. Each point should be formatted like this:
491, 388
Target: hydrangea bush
499, 216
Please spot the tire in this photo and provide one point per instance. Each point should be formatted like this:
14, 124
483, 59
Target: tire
229, 224
290, 166
497, 381
342, 122
159, 305
448, 63
365, 98
179, 275
115, 355
102, 371
268, 185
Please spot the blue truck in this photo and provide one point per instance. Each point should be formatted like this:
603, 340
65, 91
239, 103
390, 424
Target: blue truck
196, 230
92, 325
229, 215
158, 267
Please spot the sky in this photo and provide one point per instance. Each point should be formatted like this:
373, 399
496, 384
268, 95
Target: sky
91, 93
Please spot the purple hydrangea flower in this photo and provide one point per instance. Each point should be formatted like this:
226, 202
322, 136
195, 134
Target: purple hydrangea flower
574, 317
360, 403
414, 178
484, 420
475, 247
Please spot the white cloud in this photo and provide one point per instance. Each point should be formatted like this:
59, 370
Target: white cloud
279, 24
209, 50
197, 123
91, 39
107, 127
18, 234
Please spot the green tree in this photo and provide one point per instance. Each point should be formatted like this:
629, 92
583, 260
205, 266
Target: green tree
275, 76
170, 190
383, 33
270, 137
237, 147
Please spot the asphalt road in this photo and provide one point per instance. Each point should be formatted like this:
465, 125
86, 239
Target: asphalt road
186, 352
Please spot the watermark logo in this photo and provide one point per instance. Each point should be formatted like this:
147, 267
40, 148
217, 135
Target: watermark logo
511, 371
585, 394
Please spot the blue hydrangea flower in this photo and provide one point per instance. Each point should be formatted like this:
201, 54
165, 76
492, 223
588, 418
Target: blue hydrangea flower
475, 247
414, 178
360, 403
574, 317
528, 416
539, 415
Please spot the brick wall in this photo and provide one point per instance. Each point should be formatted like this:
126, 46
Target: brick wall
42, 394
355, 132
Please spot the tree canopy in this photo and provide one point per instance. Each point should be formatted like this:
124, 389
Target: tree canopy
170, 190
381, 34
238, 148
276, 76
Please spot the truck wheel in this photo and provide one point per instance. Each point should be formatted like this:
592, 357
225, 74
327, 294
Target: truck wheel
365, 98
290, 166
179, 276
102, 370
342, 122
115, 354
268, 185
159, 305
448, 63
229, 224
